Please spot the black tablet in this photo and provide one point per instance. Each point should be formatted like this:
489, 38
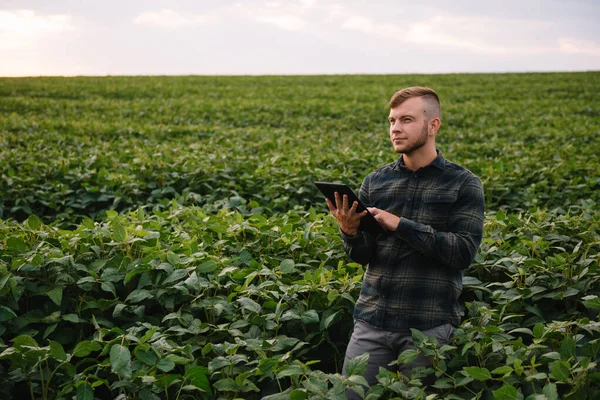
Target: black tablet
368, 223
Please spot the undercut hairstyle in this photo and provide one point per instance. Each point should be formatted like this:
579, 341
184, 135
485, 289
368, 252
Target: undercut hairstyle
430, 98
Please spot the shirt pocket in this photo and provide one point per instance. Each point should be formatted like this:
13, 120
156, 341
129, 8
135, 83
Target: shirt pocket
437, 208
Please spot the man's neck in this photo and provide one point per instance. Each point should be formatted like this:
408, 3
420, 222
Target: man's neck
418, 160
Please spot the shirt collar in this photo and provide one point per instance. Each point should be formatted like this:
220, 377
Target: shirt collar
439, 162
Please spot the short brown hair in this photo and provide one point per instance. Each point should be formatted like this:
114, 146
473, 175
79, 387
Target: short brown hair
429, 96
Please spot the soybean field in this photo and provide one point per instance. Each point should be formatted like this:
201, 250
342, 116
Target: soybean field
162, 237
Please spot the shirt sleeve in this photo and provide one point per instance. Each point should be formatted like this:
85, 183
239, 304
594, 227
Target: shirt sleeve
456, 248
360, 248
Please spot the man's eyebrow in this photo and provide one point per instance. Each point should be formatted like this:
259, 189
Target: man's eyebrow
401, 116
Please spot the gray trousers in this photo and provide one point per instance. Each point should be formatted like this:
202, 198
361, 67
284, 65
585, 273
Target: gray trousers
385, 346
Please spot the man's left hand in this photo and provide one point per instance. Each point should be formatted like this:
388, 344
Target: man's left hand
387, 220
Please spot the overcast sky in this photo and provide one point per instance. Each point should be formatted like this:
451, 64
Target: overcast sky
223, 37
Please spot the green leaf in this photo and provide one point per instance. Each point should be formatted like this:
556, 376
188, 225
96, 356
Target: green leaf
175, 276
567, 348
267, 365
298, 394
592, 304
207, 267
310, 317
72, 318
119, 232
357, 365
49, 329
287, 266
481, 374
503, 370
139, 295
16, 245
165, 365
408, 356
330, 320
522, 330
173, 259
109, 287
506, 392
6, 314
178, 359
217, 363
197, 377
120, 357
85, 392
249, 304
227, 385
33, 222
561, 370
550, 391
538, 330
24, 340
148, 357
57, 351
83, 349
56, 295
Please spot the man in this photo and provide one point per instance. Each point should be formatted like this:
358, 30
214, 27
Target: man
433, 212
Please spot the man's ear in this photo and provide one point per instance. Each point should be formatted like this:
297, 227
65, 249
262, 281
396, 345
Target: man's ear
434, 126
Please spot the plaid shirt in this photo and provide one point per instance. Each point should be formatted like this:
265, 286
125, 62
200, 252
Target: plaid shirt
414, 277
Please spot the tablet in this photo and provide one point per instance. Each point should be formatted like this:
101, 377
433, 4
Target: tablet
368, 223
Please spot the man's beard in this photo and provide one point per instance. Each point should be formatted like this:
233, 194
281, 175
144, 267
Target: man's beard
421, 140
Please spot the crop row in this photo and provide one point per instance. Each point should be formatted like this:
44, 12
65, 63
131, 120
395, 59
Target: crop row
187, 304
72, 148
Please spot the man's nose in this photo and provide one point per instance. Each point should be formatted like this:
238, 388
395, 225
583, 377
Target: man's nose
396, 126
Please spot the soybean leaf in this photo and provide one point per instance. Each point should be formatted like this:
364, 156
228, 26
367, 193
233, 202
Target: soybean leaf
165, 365
481, 374
249, 304
6, 314
119, 358
85, 392
561, 370
83, 349
357, 365
197, 377
330, 320
408, 356
506, 392
550, 391
57, 351
56, 295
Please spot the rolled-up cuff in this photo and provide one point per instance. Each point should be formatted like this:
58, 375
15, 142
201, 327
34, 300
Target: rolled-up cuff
406, 228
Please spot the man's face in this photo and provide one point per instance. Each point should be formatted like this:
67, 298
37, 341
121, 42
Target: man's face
408, 127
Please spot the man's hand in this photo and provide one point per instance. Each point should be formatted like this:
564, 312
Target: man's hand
387, 220
347, 217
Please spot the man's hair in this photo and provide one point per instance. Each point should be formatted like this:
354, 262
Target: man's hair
430, 98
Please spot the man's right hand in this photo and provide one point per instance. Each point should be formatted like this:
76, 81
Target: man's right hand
347, 217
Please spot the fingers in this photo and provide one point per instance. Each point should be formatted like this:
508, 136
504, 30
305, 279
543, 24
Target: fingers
338, 201
330, 205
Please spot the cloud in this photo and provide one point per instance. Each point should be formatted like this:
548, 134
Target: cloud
473, 34
288, 22
574, 46
167, 18
23, 28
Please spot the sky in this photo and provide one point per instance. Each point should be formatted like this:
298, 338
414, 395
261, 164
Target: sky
270, 37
